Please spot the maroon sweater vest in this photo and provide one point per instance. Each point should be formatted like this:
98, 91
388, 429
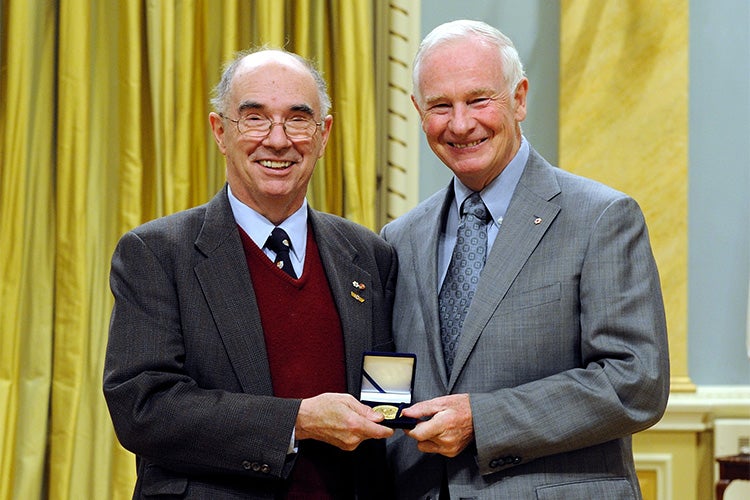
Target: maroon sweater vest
305, 348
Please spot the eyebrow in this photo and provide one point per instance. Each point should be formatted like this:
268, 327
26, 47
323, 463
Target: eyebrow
485, 91
251, 105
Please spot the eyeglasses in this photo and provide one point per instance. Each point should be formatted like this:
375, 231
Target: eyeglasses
256, 126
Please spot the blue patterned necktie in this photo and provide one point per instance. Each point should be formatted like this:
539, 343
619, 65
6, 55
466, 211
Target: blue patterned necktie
461, 280
279, 243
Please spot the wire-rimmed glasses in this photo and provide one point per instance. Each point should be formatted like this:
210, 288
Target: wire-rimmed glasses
257, 126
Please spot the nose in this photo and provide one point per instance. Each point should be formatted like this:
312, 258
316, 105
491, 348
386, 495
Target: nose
461, 120
277, 137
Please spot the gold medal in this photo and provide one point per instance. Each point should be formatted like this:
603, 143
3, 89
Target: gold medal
389, 412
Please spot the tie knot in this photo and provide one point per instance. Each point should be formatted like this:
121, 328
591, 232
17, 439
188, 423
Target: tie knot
278, 241
473, 205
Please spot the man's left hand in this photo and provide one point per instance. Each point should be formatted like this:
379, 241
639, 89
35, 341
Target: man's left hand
449, 429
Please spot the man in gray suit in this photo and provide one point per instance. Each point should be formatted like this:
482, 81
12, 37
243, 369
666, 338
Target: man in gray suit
532, 376
233, 358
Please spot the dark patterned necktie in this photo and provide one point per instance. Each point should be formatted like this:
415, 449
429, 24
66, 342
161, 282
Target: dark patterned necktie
279, 243
461, 280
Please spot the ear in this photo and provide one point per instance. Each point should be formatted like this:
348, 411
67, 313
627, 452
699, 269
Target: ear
217, 127
416, 106
519, 100
325, 134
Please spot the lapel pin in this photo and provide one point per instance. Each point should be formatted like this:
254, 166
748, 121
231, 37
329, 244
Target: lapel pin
356, 296
537, 221
357, 284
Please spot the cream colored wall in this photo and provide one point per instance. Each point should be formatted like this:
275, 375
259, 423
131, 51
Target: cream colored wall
397, 39
677, 458
680, 448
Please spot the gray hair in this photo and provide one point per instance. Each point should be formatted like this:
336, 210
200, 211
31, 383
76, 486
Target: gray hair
221, 91
511, 61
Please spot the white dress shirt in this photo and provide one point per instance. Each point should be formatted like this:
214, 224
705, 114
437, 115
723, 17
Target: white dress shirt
258, 228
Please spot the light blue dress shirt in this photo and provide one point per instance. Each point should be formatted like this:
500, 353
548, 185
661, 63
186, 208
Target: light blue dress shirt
496, 196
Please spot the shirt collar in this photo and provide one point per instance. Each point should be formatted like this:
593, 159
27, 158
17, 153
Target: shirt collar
258, 228
497, 194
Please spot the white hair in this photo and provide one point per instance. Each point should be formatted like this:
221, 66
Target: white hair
464, 28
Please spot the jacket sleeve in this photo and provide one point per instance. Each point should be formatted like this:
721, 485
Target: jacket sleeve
620, 383
162, 408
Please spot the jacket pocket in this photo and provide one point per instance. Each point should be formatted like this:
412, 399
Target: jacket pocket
601, 489
537, 297
160, 482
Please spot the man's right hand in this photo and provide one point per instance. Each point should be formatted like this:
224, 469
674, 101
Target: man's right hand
339, 420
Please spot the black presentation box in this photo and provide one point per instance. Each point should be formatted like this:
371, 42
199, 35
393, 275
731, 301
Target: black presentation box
387, 385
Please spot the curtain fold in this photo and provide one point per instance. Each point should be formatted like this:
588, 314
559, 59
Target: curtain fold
351, 26
27, 241
86, 88
103, 126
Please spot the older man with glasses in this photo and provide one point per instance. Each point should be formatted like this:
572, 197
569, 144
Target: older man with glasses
236, 338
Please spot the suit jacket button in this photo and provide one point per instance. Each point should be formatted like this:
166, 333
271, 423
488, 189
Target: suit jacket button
493, 463
265, 468
247, 465
516, 460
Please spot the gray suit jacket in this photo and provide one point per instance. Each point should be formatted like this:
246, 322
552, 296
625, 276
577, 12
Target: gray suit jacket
186, 373
563, 351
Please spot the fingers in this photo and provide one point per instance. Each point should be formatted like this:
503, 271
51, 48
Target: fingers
422, 410
340, 420
449, 429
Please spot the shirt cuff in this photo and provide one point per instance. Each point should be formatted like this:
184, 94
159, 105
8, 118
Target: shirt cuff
293, 448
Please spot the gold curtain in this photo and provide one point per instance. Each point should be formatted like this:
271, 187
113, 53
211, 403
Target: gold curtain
103, 125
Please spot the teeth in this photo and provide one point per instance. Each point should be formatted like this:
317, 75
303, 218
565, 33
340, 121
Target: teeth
275, 164
468, 145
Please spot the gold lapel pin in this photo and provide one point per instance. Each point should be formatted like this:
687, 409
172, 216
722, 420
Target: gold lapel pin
356, 296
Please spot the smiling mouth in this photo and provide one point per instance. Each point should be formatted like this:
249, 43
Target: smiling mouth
275, 165
467, 144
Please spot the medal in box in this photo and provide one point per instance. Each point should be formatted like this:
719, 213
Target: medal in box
387, 385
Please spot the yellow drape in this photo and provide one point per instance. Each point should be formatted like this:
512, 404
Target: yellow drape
103, 125
27, 242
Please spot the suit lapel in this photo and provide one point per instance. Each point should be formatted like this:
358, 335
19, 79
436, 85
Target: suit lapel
425, 233
225, 281
339, 259
527, 219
